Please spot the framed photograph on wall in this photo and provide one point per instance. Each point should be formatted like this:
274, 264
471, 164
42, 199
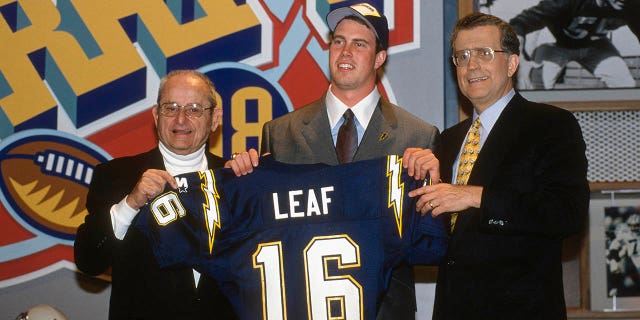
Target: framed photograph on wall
574, 51
622, 250
614, 236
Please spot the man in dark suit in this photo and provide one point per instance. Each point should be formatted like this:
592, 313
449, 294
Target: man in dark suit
185, 115
359, 41
525, 191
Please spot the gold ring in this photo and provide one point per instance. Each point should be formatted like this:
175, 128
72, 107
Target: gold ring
234, 155
431, 205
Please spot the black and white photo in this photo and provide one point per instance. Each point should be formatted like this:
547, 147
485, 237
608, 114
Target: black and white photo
573, 44
622, 250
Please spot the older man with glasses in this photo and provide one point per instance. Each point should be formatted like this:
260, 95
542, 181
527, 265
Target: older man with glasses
185, 115
514, 186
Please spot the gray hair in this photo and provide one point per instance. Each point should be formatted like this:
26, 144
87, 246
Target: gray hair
211, 89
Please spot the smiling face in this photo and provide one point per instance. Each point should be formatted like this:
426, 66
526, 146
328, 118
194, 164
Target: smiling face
353, 61
181, 134
484, 83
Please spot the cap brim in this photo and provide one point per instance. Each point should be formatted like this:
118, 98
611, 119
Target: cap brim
334, 17
379, 23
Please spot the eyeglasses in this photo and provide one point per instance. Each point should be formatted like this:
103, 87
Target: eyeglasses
485, 55
191, 110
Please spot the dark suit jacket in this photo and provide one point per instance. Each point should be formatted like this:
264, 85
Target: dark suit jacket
504, 259
304, 136
140, 290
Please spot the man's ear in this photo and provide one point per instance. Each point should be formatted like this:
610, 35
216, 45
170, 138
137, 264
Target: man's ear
381, 57
216, 118
514, 61
154, 112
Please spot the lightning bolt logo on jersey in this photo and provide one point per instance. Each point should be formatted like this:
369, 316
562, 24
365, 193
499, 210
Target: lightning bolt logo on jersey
296, 241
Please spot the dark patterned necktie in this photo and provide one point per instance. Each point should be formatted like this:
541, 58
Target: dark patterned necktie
347, 142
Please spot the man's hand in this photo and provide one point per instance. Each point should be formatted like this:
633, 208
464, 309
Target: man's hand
243, 163
150, 185
443, 197
419, 162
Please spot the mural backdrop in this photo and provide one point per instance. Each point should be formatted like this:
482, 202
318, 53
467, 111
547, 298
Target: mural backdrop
78, 78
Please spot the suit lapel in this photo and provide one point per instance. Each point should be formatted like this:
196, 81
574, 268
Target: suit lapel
499, 142
317, 133
377, 139
153, 159
379, 133
451, 142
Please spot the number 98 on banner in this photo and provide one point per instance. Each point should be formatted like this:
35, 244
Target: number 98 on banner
249, 97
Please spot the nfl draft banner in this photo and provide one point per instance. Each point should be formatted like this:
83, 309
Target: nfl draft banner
78, 79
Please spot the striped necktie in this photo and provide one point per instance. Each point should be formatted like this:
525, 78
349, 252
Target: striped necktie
468, 158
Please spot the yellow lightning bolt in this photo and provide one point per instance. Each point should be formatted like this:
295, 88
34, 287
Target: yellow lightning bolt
210, 208
396, 188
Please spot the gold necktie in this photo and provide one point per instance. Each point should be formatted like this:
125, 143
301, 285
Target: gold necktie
467, 159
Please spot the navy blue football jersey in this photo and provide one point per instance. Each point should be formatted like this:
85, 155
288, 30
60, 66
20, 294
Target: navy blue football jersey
296, 241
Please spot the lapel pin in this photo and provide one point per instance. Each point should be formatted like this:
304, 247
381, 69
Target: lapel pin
383, 136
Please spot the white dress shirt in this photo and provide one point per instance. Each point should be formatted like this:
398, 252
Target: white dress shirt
363, 110
488, 118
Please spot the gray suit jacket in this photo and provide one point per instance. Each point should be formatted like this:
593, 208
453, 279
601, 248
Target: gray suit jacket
304, 136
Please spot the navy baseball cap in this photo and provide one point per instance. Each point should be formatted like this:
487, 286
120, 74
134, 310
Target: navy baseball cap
368, 14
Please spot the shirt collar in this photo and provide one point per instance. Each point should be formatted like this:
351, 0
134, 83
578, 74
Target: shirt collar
177, 164
362, 110
490, 115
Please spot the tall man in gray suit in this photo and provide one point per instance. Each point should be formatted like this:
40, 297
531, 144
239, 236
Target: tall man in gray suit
359, 42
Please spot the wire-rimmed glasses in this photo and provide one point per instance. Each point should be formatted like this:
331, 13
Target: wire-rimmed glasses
461, 58
191, 110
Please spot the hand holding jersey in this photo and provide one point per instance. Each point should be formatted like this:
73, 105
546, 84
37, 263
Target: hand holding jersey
420, 163
150, 185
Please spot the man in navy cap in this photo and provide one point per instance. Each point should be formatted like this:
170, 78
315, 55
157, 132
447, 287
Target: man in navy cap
311, 134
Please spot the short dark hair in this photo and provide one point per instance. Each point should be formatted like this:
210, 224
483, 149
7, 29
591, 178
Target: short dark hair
211, 89
508, 37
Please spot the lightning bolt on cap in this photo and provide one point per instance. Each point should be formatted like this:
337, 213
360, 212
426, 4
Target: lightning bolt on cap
368, 14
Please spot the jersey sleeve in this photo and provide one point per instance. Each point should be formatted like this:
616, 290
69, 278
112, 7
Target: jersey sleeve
175, 237
429, 236
430, 240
